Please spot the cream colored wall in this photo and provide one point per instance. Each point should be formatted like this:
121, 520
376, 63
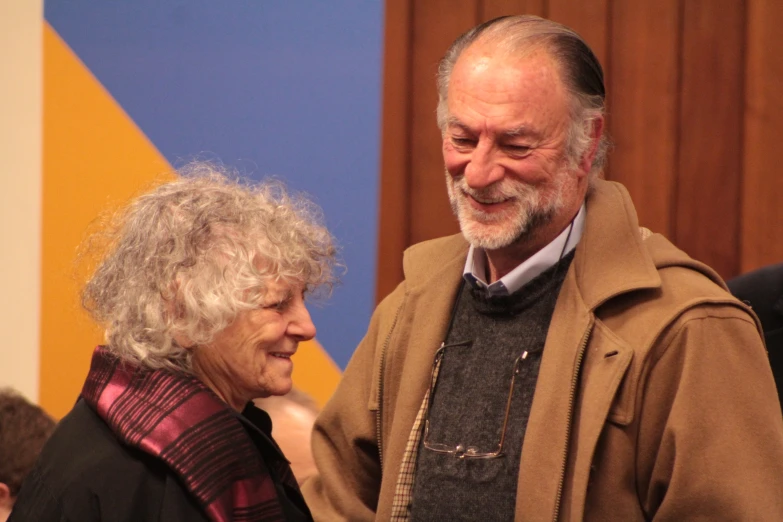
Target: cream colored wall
21, 119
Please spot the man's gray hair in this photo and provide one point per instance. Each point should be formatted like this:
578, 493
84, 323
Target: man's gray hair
184, 259
579, 69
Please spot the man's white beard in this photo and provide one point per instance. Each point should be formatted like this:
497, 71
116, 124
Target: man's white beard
530, 209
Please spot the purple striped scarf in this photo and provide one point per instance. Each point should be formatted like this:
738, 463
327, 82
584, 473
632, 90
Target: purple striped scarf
177, 419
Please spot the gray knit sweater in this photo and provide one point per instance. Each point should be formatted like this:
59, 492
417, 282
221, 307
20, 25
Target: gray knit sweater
470, 398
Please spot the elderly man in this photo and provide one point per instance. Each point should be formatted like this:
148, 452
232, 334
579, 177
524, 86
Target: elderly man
554, 361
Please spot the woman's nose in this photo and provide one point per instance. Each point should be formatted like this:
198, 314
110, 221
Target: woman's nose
301, 325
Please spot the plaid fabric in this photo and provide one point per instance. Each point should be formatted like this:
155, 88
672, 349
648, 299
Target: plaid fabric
177, 419
403, 491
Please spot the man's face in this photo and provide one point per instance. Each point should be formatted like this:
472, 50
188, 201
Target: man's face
504, 147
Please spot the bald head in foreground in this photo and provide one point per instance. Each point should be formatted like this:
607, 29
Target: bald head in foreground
554, 361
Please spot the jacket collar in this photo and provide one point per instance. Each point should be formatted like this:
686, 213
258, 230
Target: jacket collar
610, 259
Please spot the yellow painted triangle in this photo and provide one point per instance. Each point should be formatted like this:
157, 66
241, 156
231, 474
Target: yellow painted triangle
95, 159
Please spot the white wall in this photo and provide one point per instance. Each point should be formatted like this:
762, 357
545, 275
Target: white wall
21, 120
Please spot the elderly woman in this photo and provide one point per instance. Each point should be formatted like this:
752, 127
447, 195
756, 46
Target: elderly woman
202, 297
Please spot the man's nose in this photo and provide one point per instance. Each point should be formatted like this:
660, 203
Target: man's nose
483, 170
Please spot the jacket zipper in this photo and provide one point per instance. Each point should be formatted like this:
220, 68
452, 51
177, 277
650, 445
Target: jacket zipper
379, 414
571, 399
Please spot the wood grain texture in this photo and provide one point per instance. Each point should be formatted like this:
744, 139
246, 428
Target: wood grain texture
710, 121
762, 197
489, 9
645, 100
394, 226
436, 23
694, 109
589, 18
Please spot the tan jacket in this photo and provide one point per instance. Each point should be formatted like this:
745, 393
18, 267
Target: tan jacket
655, 399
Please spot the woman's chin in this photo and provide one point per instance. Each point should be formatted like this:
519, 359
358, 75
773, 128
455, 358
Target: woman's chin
280, 387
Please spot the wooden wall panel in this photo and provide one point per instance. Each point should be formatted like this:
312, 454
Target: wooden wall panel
694, 109
645, 99
710, 130
436, 23
589, 18
394, 216
762, 199
490, 9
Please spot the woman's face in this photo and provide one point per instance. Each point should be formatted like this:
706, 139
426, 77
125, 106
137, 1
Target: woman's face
251, 357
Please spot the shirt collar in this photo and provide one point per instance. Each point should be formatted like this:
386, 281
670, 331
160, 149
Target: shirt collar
476, 264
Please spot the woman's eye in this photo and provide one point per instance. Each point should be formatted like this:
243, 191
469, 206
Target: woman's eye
278, 305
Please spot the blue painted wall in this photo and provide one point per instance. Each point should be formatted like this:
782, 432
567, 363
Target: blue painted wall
283, 88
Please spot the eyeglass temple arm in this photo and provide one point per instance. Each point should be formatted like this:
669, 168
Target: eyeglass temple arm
517, 364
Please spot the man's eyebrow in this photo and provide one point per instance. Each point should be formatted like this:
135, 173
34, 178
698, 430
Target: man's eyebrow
523, 131
454, 122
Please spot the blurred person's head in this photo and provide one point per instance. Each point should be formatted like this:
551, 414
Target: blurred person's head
293, 416
24, 428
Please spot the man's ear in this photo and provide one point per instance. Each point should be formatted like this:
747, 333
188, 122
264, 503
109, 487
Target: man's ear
596, 131
6, 499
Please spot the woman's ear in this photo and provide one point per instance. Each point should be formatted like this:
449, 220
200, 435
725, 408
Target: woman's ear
174, 311
183, 341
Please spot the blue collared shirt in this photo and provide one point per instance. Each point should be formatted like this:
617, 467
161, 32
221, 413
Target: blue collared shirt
476, 264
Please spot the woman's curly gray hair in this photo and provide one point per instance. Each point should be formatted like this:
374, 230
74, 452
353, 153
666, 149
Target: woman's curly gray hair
187, 257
